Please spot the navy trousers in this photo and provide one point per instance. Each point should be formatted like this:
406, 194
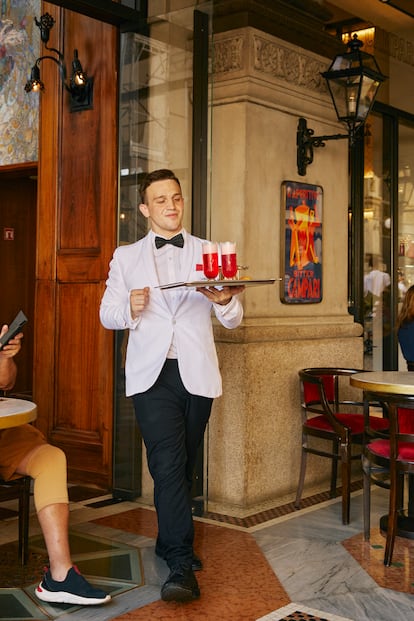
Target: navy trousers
172, 423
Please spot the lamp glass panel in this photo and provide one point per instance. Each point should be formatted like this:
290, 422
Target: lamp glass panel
369, 88
345, 96
79, 79
354, 61
37, 86
340, 63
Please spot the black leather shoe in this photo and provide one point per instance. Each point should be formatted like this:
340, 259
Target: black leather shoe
196, 563
180, 586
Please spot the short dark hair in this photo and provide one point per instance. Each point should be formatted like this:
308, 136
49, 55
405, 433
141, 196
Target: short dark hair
156, 175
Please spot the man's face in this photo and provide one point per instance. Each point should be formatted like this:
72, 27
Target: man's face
164, 207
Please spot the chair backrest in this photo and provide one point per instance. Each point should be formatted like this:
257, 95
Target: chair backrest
316, 390
320, 396
322, 383
400, 412
406, 420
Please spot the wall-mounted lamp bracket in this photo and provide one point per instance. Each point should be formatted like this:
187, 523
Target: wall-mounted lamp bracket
80, 86
306, 142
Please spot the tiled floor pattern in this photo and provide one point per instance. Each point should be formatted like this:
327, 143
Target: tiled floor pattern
296, 612
112, 566
250, 573
370, 555
236, 582
81, 494
276, 512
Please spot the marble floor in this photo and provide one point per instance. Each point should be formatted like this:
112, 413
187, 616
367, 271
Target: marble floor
302, 565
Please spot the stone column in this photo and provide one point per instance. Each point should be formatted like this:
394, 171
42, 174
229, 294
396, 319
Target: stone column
262, 85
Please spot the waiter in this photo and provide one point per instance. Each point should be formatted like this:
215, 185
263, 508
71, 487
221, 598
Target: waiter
171, 367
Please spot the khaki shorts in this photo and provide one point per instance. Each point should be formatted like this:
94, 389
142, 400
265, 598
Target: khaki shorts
15, 443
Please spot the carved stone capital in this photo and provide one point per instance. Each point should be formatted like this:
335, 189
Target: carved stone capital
248, 53
228, 54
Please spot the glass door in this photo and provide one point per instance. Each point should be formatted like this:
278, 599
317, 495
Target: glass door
405, 270
377, 244
163, 118
388, 233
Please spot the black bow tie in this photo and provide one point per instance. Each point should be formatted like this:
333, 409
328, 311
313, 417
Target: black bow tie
178, 241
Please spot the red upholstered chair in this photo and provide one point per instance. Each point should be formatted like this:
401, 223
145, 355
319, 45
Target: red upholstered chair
326, 415
387, 460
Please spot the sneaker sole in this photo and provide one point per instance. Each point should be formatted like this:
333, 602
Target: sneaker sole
62, 597
177, 593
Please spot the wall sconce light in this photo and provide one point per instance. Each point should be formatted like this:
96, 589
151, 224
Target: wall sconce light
80, 86
353, 80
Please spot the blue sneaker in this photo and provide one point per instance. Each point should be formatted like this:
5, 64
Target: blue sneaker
75, 589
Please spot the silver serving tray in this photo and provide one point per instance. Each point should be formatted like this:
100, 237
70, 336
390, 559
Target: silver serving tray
221, 283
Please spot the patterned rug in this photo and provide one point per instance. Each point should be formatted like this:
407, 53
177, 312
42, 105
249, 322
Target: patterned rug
298, 612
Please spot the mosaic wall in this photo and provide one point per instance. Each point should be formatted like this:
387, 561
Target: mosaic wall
19, 111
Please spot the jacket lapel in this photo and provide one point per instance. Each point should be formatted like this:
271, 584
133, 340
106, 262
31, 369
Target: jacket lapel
188, 263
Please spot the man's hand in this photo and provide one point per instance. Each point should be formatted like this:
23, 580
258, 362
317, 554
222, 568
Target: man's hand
13, 346
138, 300
220, 296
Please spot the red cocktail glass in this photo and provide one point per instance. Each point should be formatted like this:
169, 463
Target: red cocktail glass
210, 260
228, 259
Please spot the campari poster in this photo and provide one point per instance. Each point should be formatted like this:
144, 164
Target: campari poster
301, 243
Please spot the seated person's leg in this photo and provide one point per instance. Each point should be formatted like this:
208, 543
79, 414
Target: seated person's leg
46, 464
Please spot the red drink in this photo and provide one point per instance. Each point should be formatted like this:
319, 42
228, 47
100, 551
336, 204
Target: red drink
228, 259
210, 264
229, 265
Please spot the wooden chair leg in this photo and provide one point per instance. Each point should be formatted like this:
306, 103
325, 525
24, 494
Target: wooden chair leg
24, 515
392, 519
400, 497
334, 471
366, 497
346, 483
301, 478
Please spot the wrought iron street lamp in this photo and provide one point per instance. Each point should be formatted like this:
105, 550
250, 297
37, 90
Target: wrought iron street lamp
353, 80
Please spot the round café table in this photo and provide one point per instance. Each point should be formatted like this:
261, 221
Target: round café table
15, 412
394, 382
379, 383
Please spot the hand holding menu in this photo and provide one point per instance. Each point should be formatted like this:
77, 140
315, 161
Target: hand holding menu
14, 328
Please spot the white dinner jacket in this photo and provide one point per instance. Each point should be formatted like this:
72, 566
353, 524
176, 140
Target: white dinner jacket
133, 267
